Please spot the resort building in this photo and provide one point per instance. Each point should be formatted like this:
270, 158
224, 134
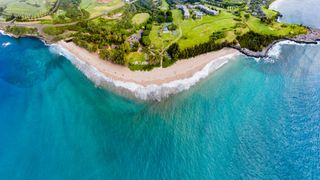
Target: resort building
198, 14
186, 13
205, 9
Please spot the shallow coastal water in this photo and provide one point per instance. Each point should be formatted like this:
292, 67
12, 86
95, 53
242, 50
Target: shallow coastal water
304, 12
253, 118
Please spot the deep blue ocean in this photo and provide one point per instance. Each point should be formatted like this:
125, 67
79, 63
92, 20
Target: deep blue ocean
252, 119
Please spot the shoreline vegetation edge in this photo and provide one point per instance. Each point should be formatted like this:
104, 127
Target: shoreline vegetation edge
158, 83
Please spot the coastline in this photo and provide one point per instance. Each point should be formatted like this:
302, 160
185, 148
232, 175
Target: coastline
160, 82
146, 85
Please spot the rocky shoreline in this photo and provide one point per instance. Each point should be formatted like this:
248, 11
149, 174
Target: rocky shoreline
312, 37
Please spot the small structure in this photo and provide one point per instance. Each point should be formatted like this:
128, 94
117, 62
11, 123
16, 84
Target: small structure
186, 13
135, 37
166, 30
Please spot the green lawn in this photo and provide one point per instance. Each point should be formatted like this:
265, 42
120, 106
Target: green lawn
95, 8
199, 30
27, 8
277, 29
140, 18
164, 6
134, 57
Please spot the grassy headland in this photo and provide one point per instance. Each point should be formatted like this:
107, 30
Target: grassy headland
145, 33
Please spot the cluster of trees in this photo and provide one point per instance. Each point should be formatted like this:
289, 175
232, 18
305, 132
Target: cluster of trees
139, 67
100, 34
1, 10
172, 27
116, 55
176, 53
255, 41
163, 17
145, 40
72, 9
218, 35
105, 37
53, 31
269, 20
20, 31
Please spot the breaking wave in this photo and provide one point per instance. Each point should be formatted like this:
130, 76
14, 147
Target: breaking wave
150, 92
5, 34
275, 51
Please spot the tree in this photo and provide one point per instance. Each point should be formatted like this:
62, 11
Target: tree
174, 51
105, 54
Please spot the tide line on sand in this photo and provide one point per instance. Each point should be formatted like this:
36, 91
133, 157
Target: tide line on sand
145, 85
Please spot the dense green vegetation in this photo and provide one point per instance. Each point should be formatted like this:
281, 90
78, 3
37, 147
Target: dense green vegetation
109, 39
21, 31
177, 53
50, 30
255, 41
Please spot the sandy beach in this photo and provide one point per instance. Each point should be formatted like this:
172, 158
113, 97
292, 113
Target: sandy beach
182, 69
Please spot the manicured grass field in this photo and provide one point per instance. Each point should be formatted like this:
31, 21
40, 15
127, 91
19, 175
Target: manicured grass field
277, 29
159, 39
27, 8
95, 8
199, 30
140, 18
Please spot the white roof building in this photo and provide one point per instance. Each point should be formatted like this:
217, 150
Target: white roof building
205, 9
186, 13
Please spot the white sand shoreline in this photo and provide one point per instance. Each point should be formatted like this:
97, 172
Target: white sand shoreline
180, 70
146, 85
156, 84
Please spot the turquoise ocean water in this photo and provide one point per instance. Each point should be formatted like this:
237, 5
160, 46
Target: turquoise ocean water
299, 11
252, 119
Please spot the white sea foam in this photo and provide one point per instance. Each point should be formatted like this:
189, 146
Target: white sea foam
5, 44
274, 53
150, 92
2, 32
5, 34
